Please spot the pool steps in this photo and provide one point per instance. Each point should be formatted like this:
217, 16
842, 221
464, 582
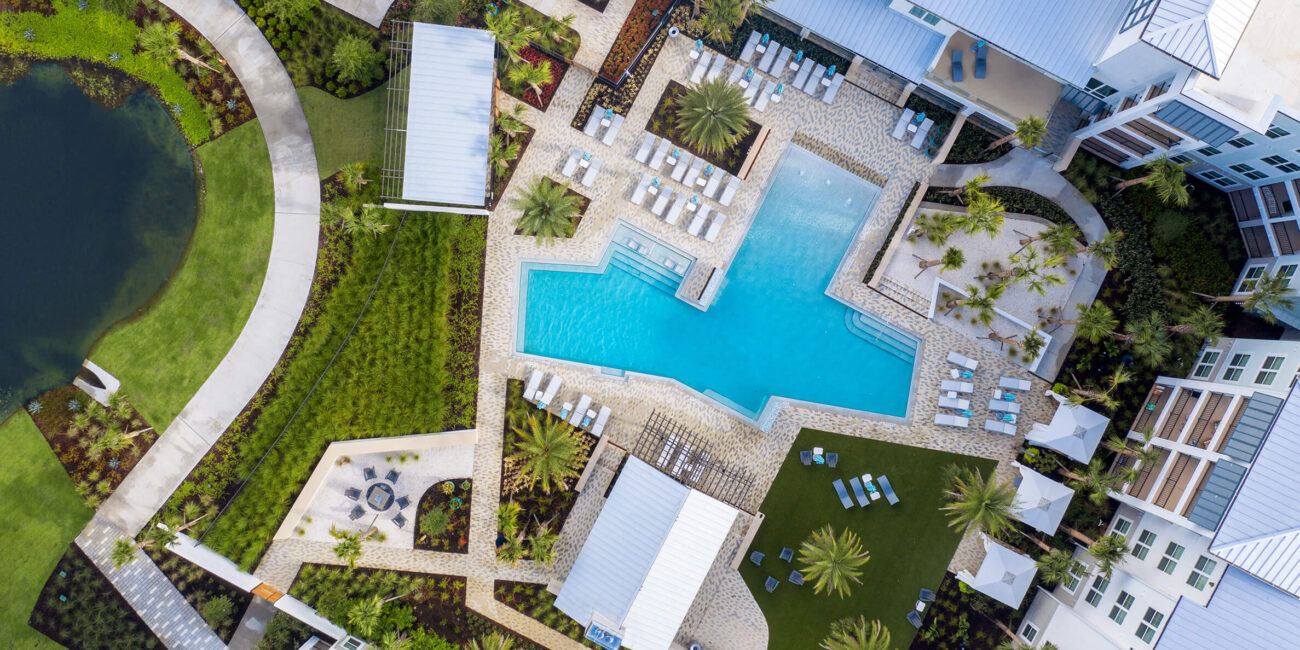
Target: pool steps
656, 275
882, 334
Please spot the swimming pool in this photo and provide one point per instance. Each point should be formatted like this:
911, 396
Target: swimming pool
771, 331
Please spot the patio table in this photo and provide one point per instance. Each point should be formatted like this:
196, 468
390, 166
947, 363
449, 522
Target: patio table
379, 496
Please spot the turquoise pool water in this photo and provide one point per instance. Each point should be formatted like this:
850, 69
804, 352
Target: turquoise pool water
772, 330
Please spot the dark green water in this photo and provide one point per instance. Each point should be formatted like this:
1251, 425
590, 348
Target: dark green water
96, 209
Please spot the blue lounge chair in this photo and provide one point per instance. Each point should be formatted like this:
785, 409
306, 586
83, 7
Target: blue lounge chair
771, 584
787, 554
958, 73
857, 492
369, 473
756, 558
796, 577
888, 490
352, 493
927, 596
832, 459
914, 619
844, 494
981, 61
805, 457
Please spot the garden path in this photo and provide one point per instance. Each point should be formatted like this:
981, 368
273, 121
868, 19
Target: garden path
259, 346
1027, 170
371, 11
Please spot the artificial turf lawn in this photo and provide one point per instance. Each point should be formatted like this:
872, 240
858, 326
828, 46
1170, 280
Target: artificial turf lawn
345, 131
910, 543
42, 514
164, 352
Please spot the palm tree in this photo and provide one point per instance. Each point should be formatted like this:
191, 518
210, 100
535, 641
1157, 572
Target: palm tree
981, 301
366, 223
1061, 238
1094, 484
548, 452
508, 518
713, 116
952, 260
510, 124
395, 640
511, 32
1056, 567
532, 75
857, 634
1093, 322
512, 550
548, 209
354, 176
355, 58
161, 41
500, 155
977, 504
1270, 292
935, 226
556, 29
832, 562
123, 552
1106, 249
971, 186
1029, 267
1148, 339
349, 547
1031, 345
1109, 551
1103, 397
1165, 177
720, 19
364, 615
1143, 454
985, 214
541, 546
1202, 323
335, 213
491, 641
1029, 132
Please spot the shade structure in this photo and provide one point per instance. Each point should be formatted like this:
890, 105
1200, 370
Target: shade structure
1073, 431
1040, 501
1004, 575
448, 115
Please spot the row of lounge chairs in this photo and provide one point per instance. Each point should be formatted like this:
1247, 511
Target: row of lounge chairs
603, 118
981, 50
582, 416
865, 497
700, 213
579, 159
757, 91
693, 171
913, 127
810, 76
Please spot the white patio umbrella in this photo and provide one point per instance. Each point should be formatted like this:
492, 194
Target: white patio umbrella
1073, 431
1040, 501
1004, 575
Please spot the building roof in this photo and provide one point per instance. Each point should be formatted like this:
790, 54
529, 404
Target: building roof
1041, 502
1004, 575
1261, 531
646, 557
1200, 33
1073, 431
1195, 123
1242, 613
1252, 428
448, 115
1065, 40
869, 28
1220, 486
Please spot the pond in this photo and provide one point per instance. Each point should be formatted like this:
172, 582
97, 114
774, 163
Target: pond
98, 207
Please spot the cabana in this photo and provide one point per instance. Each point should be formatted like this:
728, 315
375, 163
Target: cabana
1004, 575
1073, 431
1040, 501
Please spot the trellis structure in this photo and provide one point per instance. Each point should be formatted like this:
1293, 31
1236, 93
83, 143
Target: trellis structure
678, 452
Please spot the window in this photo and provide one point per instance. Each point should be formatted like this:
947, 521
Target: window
1250, 279
1137, 14
1169, 562
1150, 623
1205, 366
1181, 159
1286, 271
1208, 151
1071, 582
1121, 527
1143, 545
1211, 175
1235, 367
1029, 632
1240, 142
1276, 132
1225, 182
1119, 611
1099, 89
929, 18
1268, 372
1095, 592
1247, 171
1200, 575
1282, 163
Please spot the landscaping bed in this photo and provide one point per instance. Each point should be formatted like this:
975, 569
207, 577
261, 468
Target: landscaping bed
221, 604
284, 632
971, 146
889, 237
533, 56
755, 21
1014, 199
642, 20
306, 45
663, 123
501, 181
534, 601
962, 619
620, 98
583, 204
598, 5
454, 497
79, 608
96, 475
942, 116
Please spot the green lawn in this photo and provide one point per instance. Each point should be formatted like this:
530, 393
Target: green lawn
910, 543
345, 130
165, 352
41, 514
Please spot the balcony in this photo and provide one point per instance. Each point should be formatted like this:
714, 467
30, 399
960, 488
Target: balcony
1011, 90
1147, 477
1179, 413
1152, 408
1180, 474
1212, 412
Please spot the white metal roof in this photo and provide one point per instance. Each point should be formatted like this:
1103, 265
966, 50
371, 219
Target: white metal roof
870, 28
1063, 38
1073, 431
646, 556
1200, 33
1242, 613
1040, 501
448, 115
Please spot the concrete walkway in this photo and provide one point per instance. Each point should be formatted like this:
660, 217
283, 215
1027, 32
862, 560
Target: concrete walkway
1027, 170
371, 11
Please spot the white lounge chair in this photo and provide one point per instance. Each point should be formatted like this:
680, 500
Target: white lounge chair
1003, 406
662, 202
834, 88
918, 140
592, 169
552, 387
701, 67
647, 144
715, 181
593, 122
804, 70
957, 386
697, 223
602, 417
638, 195
747, 52
583, 403
950, 420
961, 404
675, 212
1012, 383
815, 79
657, 160
615, 125
694, 172
571, 165
998, 426
715, 70
534, 380
765, 96
778, 66
736, 71
958, 359
715, 227
730, 193
683, 163
752, 91
900, 129
770, 55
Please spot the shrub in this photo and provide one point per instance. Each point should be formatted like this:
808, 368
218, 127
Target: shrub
971, 146
1146, 295
441, 12
217, 611
356, 59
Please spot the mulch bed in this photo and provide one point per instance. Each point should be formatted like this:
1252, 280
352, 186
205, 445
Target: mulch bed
534, 601
640, 24
38, 6
198, 586
663, 123
620, 98
456, 538
499, 184
583, 204
533, 56
78, 605
54, 419
942, 627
